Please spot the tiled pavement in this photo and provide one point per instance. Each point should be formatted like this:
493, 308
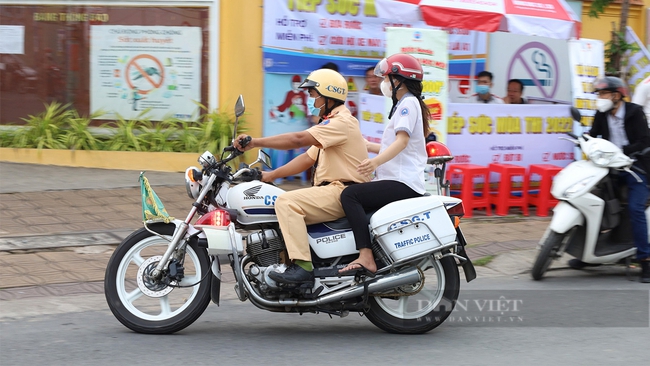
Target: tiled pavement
58, 239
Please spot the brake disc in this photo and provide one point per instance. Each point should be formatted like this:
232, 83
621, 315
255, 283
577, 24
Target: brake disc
147, 284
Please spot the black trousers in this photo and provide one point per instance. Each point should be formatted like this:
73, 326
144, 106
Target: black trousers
360, 198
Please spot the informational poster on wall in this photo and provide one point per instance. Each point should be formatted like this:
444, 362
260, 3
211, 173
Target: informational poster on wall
515, 134
301, 36
13, 39
430, 48
153, 70
542, 65
587, 62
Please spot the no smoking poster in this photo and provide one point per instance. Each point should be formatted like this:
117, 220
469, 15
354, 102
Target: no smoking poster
137, 68
542, 65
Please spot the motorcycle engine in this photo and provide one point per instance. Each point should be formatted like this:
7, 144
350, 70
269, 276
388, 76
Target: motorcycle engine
265, 247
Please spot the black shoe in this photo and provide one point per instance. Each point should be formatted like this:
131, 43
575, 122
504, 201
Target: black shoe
645, 272
293, 274
578, 264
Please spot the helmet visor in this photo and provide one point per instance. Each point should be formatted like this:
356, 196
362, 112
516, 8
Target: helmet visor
309, 84
382, 68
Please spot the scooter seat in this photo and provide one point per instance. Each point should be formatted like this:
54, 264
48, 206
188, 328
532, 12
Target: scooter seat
343, 223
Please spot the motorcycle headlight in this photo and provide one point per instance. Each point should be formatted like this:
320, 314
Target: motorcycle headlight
601, 158
577, 188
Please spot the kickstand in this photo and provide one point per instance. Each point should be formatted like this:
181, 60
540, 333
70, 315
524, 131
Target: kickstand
628, 263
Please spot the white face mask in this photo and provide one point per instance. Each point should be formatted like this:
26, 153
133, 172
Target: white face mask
385, 88
604, 105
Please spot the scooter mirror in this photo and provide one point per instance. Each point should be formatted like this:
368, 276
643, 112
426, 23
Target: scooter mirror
575, 113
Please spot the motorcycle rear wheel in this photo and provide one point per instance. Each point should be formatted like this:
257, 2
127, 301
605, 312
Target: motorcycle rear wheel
424, 310
161, 310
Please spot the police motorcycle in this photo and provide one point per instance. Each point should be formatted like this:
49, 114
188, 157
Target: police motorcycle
591, 220
162, 277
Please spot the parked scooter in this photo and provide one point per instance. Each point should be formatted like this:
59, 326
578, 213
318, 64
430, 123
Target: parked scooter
591, 220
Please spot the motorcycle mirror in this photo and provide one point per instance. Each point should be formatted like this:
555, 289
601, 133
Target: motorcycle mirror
575, 113
239, 111
239, 106
264, 158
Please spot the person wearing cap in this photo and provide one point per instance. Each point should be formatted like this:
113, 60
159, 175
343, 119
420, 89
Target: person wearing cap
625, 125
336, 148
401, 157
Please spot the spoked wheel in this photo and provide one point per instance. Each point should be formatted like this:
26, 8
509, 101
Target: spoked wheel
420, 307
548, 252
148, 306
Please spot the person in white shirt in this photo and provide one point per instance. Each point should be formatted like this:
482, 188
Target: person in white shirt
642, 96
399, 165
483, 85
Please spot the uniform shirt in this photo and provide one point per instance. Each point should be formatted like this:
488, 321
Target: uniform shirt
493, 99
642, 96
343, 148
408, 166
617, 133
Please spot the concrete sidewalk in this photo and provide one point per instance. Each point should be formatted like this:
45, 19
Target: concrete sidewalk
59, 225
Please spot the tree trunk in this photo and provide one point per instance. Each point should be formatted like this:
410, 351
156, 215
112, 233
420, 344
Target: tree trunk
616, 58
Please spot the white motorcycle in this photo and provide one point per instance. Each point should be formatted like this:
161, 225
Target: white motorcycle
590, 222
162, 277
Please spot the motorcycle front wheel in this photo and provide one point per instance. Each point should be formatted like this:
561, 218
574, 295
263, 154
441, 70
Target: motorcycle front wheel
155, 308
429, 305
547, 253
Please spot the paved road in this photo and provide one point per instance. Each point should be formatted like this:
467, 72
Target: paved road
595, 318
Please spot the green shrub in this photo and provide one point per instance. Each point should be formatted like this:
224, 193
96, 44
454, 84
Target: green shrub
77, 136
60, 127
44, 130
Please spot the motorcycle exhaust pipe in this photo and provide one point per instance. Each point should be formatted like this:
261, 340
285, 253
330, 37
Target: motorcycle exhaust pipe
401, 278
404, 277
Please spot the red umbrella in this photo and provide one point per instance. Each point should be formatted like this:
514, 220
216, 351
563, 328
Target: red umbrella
547, 18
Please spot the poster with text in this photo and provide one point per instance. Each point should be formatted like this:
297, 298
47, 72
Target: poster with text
509, 133
153, 70
300, 37
588, 63
430, 48
638, 65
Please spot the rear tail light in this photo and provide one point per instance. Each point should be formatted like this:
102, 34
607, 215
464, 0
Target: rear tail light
214, 218
456, 210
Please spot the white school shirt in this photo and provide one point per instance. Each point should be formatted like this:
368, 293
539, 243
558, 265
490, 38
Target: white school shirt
408, 166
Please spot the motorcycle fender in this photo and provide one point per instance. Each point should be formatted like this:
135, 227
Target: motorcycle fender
468, 266
565, 217
215, 285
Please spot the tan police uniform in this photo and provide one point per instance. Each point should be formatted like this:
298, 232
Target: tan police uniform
343, 149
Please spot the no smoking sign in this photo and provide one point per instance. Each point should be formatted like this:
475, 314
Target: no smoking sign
536, 66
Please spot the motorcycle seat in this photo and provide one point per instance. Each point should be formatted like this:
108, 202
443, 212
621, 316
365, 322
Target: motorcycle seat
343, 223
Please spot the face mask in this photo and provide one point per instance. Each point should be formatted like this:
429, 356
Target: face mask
314, 111
385, 88
482, 89
604, 105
